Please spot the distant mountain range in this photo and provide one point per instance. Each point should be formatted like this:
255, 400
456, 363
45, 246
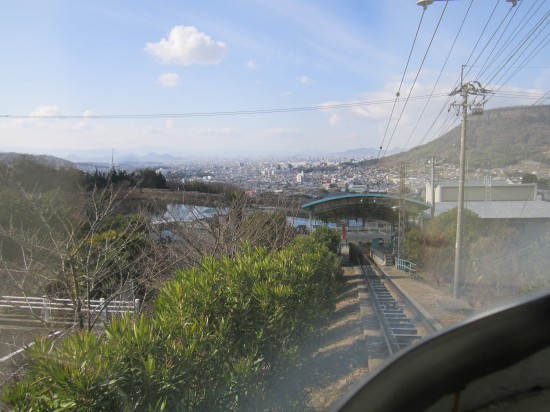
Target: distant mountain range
498, 137
55, 162
105, 155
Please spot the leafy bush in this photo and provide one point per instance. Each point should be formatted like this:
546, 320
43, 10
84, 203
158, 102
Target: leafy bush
330, 237
214, 335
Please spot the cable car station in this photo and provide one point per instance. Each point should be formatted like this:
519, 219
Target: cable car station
364, 218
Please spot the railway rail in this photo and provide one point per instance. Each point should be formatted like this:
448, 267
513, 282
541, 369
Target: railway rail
401, 321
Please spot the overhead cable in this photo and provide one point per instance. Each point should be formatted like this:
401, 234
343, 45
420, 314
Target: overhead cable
543, 98
214, 114
401, 83
519, 47
515, 33
477, 42
498, 53
436, 83
490, 39
416, 78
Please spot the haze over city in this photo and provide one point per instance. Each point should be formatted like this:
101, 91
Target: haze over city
244, 77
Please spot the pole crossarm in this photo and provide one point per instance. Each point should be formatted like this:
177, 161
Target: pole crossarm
473, 88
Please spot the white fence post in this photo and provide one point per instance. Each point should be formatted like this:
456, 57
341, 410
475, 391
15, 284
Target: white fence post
136, 306
45, 309
102, 309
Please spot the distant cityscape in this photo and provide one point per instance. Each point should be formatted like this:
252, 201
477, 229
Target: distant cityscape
314, 176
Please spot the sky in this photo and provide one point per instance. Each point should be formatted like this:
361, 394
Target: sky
238, 77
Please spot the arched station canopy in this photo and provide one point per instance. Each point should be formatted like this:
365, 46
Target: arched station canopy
380, 206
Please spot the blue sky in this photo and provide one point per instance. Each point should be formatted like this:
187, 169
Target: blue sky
129, 58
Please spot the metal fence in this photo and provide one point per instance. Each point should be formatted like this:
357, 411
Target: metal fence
48, 310
405, 265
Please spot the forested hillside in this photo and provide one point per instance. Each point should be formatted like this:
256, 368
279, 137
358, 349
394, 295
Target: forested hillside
498, 137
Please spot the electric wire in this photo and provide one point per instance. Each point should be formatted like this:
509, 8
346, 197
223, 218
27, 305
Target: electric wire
445, 128
458, 81
401, 83
519, 43
513, 74
515, 33
215, 114
478, 40
520, 46
489, 62
239, 112
490, 39
446, 124
416, 78
437, 82
543, 98
449, 123
531, 55
520, 95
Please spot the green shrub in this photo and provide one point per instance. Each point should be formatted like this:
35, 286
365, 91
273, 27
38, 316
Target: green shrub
330, 237
215, 334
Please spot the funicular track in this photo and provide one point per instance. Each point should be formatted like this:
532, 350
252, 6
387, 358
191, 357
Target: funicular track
400, 320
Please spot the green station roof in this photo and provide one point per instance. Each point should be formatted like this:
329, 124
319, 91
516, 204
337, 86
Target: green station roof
380, 206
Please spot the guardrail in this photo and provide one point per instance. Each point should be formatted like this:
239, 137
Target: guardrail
48, 309
405, 265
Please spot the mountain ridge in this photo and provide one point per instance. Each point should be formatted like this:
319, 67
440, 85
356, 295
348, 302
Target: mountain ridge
498, 137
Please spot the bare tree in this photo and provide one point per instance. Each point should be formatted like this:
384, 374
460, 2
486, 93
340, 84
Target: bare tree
195, 231
76, 245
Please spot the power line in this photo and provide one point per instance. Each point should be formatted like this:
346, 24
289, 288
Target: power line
510, 94
401, 83
543, 98
417, 74
491, 38
214, 114
534, 52
487, 63
436, 83
445, 125
444, 129
517, 30
520, 95
520, 46
477, 42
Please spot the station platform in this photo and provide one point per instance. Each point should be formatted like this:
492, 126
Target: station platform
436, 301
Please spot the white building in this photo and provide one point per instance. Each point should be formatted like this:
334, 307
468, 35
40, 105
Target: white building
517, 203
482, 192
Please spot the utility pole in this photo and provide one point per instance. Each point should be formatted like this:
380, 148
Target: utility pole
472, 88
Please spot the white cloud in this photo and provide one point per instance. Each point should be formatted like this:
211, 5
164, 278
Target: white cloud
304, 79
251, 65
84, 124
169, 80
334, 119
45, 111
185, 46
